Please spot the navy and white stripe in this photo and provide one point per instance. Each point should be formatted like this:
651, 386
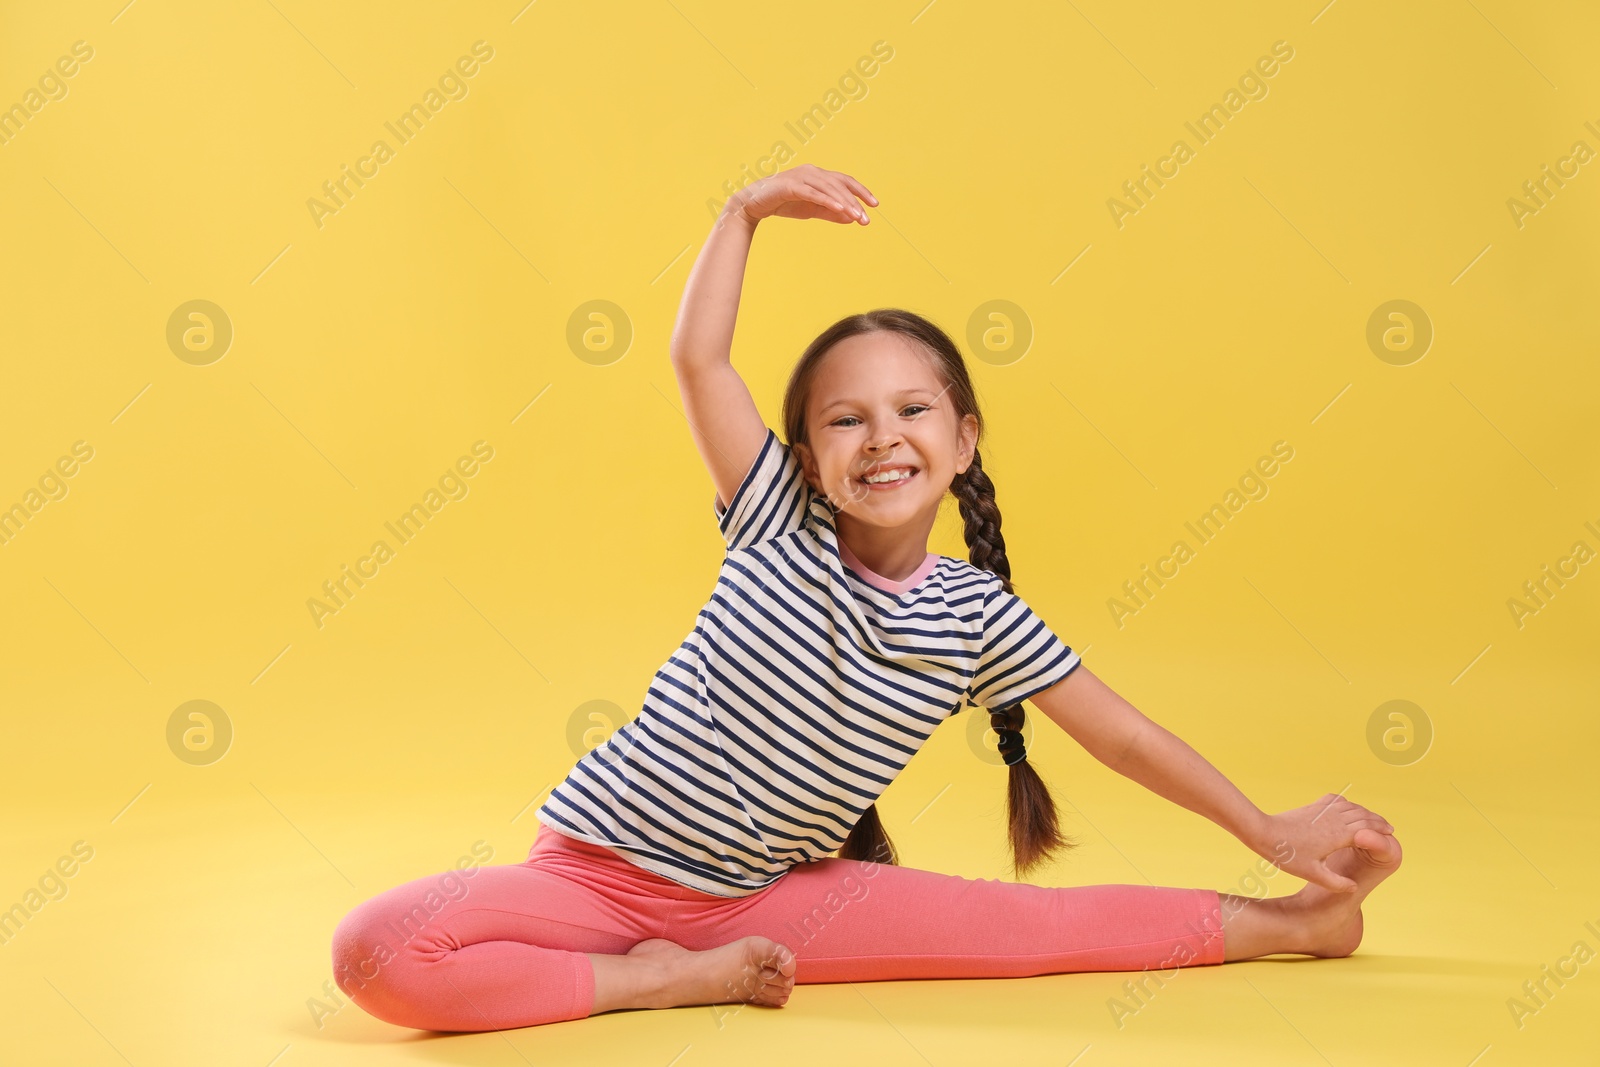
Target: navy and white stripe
801, 692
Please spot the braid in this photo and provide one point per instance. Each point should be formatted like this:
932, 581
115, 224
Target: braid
1032, 823
975, 495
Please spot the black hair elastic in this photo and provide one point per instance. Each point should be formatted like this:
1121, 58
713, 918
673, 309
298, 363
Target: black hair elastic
1012, 748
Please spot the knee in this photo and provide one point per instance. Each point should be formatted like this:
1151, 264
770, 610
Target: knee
368, 964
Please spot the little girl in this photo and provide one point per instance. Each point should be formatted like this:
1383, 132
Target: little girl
689, 858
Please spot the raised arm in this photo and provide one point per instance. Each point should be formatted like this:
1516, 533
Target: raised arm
1117, 734
727, 427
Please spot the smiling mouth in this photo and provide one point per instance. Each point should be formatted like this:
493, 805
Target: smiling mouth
909, 474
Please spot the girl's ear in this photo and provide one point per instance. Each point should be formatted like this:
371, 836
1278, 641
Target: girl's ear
808, 465
966, 442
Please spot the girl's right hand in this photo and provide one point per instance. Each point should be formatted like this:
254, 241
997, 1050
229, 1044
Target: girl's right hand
803, 192
1304, 838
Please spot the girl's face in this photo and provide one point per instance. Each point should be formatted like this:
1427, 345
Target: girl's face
877, 405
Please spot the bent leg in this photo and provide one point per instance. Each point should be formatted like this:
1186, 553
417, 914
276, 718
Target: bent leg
852, 920
489, 948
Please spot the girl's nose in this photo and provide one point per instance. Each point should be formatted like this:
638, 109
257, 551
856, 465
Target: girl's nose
885, 444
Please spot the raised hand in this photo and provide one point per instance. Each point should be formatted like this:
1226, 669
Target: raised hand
803, 192
1301, 840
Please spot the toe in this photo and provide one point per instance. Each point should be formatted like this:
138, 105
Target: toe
1382, 849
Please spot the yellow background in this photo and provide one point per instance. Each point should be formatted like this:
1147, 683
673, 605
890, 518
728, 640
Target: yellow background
433, 309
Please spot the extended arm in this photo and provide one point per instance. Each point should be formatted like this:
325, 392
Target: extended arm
727, 426
723, 418
703, 335
1117, 734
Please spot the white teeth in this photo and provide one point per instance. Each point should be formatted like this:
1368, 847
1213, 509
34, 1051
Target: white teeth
889, 476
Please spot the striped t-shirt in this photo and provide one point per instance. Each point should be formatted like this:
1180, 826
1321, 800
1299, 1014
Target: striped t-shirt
807, 684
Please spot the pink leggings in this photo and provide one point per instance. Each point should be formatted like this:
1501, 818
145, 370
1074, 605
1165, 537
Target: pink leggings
504, 946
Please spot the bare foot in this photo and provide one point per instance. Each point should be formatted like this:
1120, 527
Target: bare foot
751, 970
1329, 923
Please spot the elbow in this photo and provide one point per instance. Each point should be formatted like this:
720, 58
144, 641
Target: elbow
1129, 746
690, 363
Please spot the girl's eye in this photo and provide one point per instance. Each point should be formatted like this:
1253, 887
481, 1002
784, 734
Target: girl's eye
840, 421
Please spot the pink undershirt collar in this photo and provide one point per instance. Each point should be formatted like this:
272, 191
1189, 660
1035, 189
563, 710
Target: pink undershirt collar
888, 585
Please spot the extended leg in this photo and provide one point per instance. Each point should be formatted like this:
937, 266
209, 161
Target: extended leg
661, 973
848, 920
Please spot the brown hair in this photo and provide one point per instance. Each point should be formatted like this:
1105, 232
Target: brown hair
1031, 812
